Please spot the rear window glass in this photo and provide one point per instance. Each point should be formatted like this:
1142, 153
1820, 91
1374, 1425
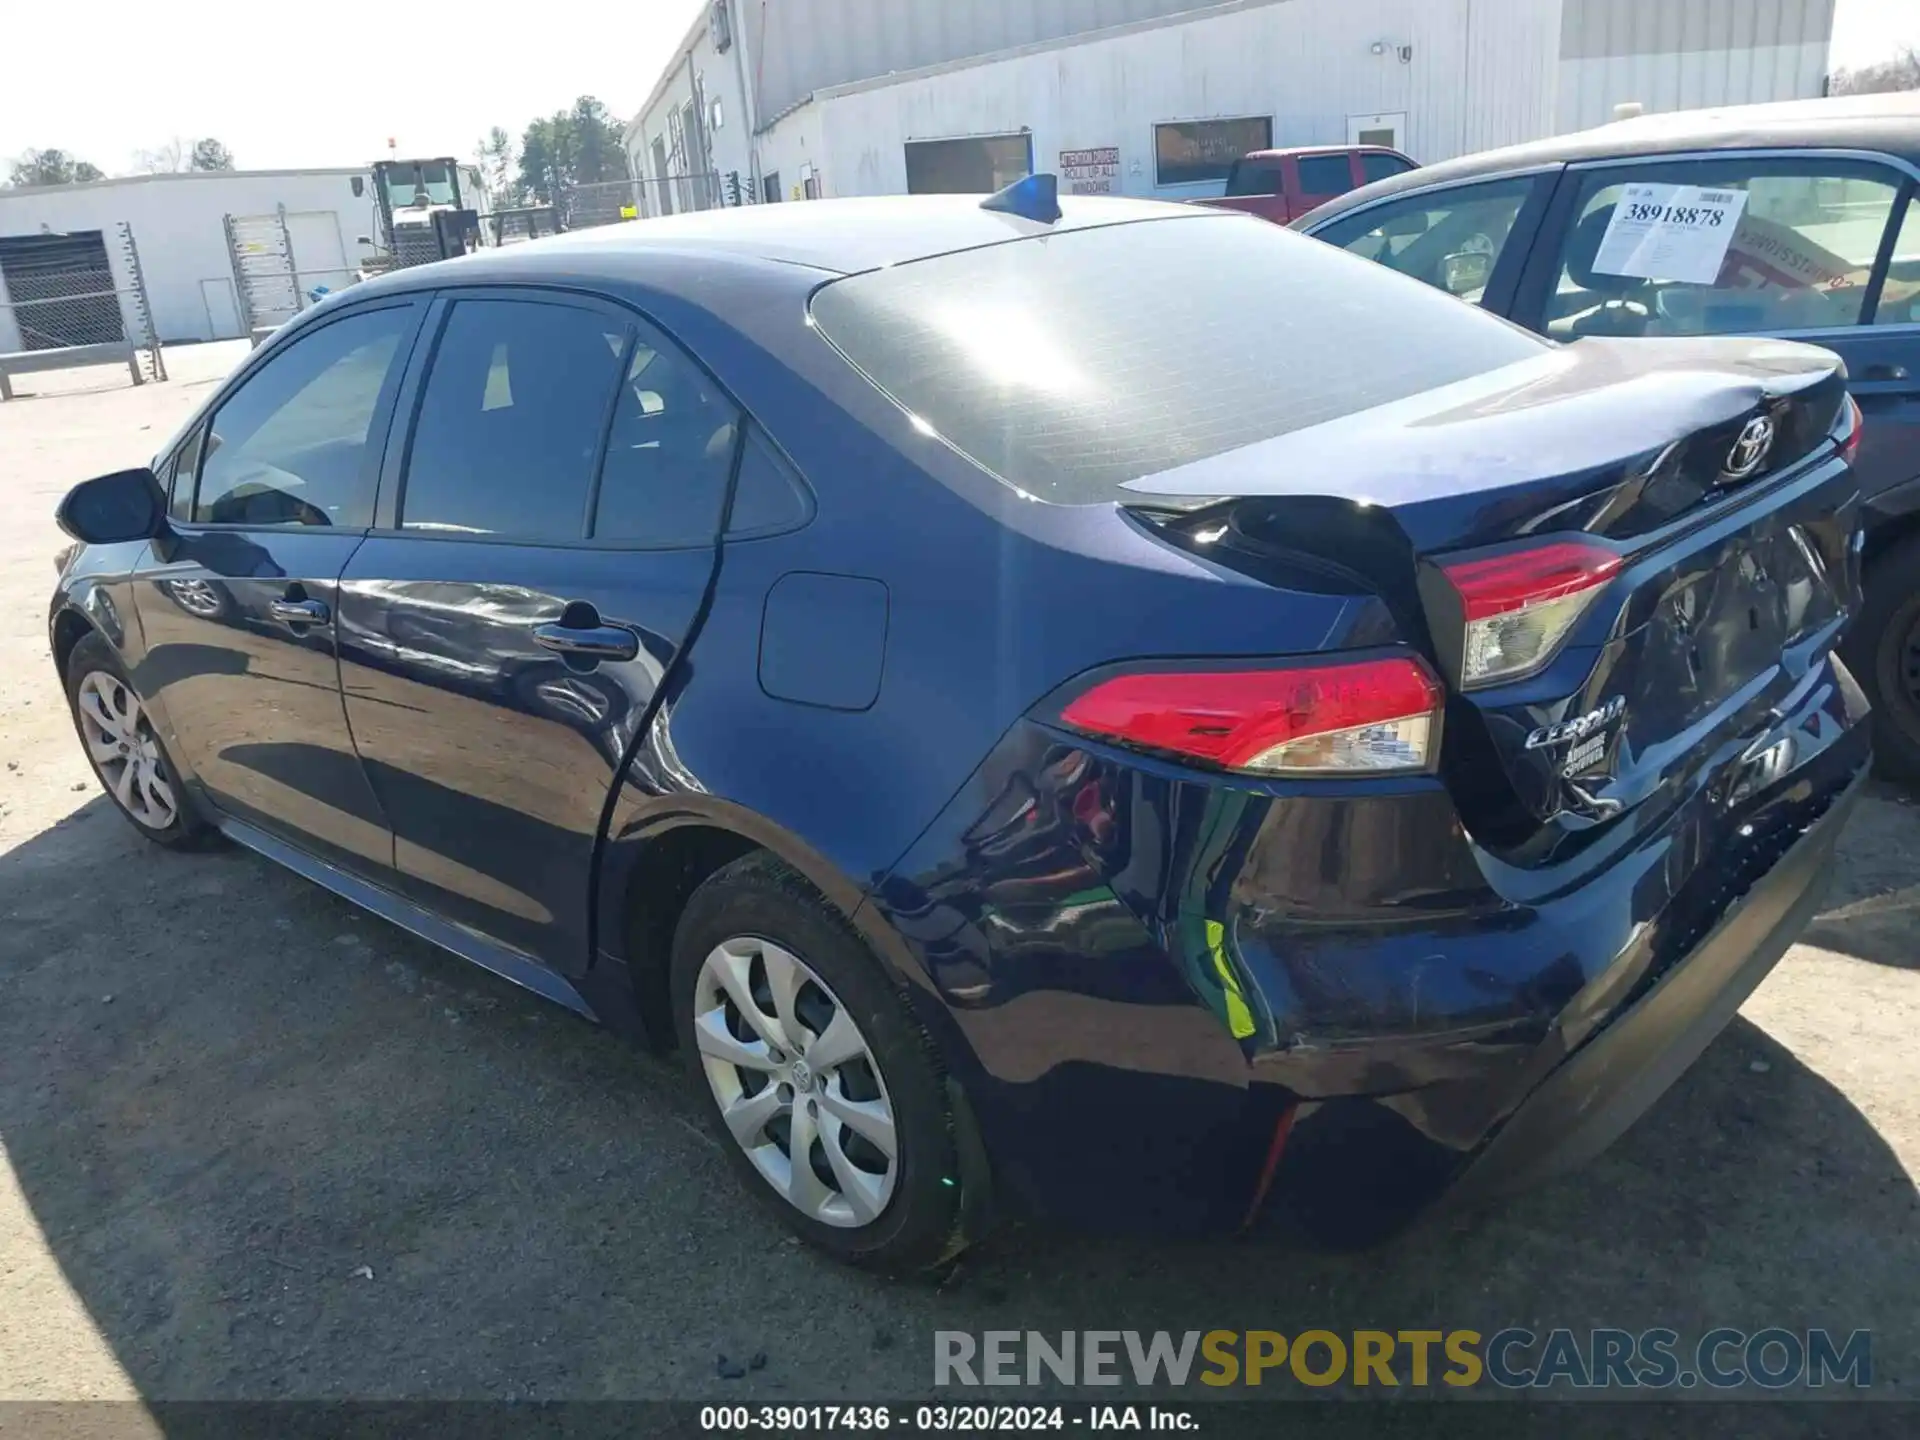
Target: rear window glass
1249, 178
1072, 363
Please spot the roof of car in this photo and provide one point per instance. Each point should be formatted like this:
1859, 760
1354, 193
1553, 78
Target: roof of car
1888, 123
1279, 151
834, 236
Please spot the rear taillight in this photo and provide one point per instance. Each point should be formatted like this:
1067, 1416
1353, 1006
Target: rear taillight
1854, 426
1364, 717
1519, 606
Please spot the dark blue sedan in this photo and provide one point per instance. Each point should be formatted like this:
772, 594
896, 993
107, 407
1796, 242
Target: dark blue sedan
1129, 714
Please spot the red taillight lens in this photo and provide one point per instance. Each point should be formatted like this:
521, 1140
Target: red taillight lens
1365, 717
1519, 606
1856, 427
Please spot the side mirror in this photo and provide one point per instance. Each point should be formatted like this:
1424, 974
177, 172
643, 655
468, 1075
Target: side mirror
1467, 271
112, 509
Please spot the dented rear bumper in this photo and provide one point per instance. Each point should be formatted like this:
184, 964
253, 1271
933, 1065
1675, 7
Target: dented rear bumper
1139, 976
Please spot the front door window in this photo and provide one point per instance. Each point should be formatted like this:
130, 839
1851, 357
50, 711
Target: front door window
1723, 247
1451, 238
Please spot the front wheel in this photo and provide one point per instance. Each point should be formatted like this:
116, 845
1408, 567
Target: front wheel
824, 1091
125, 751
1884, 654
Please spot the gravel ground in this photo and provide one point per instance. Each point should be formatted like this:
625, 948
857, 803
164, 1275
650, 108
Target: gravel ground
254, 1144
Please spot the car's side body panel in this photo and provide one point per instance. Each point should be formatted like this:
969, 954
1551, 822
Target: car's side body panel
493, 754
253, 701
1137, 974
978, 582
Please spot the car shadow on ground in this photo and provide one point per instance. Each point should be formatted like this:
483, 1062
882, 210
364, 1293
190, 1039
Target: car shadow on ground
1873, 910
277, 1148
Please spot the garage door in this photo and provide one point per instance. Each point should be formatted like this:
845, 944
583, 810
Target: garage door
60, 290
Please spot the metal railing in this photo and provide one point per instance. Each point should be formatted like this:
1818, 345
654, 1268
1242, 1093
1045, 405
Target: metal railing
519, 224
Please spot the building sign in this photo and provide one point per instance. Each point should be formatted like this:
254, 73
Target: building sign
1091, 172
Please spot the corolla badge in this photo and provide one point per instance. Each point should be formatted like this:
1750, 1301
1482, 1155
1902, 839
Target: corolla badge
1584, 735
1580, 727
1751, 449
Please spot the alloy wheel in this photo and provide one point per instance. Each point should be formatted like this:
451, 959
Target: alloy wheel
796, 1082
123, 749
196, 597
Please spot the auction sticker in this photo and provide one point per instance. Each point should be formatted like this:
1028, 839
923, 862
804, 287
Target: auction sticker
1670, 232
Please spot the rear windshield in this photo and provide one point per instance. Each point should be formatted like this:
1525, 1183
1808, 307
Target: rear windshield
1070, 364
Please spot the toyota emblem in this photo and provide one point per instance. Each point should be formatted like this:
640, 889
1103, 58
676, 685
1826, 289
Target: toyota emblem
1750, 451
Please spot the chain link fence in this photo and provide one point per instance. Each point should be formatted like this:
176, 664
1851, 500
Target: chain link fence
608, 202
73, 300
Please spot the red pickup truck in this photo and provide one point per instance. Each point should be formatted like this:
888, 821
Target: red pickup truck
1282, 185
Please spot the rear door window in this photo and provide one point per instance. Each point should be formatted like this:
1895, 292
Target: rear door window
671, 450
1900, 293
1795, 248
1450, 239
1375, 166
1325, 174
769, 496
511, 420
1069, 365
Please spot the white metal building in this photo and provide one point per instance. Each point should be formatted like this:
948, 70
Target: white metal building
1154, 97
178, 225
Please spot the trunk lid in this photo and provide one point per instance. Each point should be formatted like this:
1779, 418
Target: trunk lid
1701, 474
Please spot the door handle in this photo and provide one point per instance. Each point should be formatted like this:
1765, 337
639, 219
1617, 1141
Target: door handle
594, 642
1886, 371
299, 612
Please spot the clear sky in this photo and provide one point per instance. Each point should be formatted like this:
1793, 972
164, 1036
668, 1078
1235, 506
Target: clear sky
1868, 30
304, 86
315, 85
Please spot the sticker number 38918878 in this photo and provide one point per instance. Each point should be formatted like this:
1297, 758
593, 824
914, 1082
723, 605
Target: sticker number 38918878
1670, 232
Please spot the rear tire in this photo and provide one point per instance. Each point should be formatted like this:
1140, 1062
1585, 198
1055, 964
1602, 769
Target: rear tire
125, 752
828, 1040
1883, 652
